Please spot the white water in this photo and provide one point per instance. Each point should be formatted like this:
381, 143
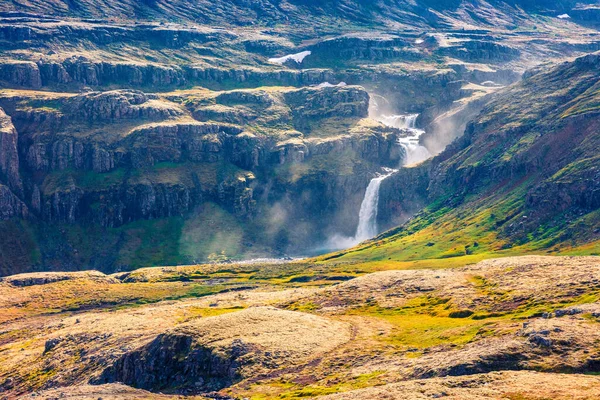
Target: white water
415, 152
367, 217
328, 85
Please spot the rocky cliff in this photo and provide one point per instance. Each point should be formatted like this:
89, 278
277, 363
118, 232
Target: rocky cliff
102, 162
163, 133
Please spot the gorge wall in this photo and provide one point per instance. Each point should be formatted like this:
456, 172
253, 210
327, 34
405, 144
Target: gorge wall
524, 175
82, 172
154, 133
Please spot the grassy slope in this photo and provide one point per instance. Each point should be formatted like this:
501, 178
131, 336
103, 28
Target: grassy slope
523, 181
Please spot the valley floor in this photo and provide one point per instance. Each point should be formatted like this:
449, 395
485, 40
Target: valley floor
511, 328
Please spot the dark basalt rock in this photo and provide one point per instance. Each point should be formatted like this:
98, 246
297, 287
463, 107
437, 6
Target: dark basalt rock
20, 74
481, 51
119, 104
348, 49
9, 154
312, 104
10, 205
174, 363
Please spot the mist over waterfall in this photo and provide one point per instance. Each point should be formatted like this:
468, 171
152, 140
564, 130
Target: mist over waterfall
414, 153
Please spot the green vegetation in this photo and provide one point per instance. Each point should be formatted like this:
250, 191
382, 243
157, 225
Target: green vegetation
282, 389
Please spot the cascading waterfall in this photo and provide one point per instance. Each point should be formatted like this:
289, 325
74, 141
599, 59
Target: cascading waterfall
415, 152
367, 218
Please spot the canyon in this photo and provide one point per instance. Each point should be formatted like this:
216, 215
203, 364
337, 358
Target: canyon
291, 199
171, 142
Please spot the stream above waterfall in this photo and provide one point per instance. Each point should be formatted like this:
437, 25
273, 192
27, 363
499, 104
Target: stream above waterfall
415, 152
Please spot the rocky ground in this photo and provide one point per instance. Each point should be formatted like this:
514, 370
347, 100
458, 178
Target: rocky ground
517, 327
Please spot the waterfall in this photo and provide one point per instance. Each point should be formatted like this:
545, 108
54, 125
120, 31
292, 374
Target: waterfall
415, 152
367, 218
411, 121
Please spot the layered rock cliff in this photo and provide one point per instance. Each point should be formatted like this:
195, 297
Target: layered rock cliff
9, 155
98, 162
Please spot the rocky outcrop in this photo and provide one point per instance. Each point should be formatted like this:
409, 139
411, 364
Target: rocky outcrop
80, 71
84, 71
481, 51
198, 142
379, 146
348, 49
257, 77
210, 354
118, 105
495, 385
48, 153
402, 195
47, 137
103, 34
170, 362
20, 74
30, 120
44, 278
63, 204
310, 104
10, 205
9, 154
15, 33
175, 193
238, 97
577, 185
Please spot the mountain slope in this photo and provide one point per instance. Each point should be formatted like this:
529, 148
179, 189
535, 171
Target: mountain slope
524, 177
309, 12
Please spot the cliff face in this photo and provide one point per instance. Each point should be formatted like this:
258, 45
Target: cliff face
9, 155
100, 162
11, 185
10, 205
